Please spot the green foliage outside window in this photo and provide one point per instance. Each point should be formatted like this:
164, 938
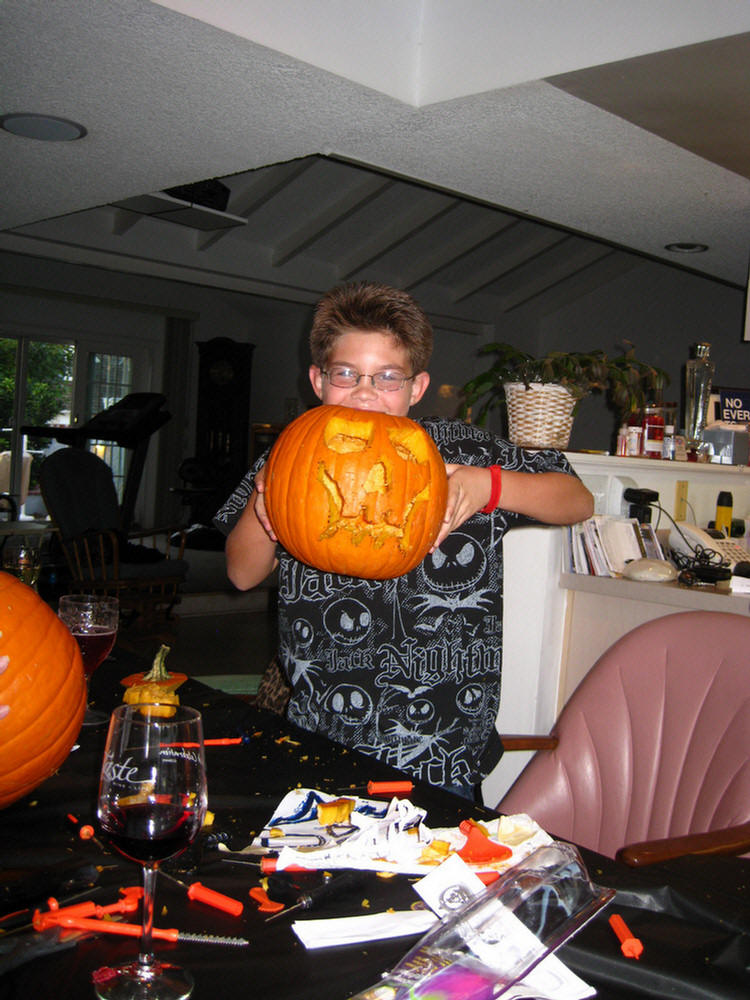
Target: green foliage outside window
48, 387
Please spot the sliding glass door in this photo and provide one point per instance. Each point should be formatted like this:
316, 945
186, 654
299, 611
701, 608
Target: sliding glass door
49, 381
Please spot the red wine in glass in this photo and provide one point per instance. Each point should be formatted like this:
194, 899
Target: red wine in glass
148, 832
95, 644
93, 620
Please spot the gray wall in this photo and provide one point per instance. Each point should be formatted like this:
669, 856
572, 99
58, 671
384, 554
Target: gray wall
662, 310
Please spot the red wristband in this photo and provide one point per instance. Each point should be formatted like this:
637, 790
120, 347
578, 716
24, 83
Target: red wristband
495, 490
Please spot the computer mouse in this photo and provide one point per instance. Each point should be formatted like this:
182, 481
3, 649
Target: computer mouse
741, 568
653, 570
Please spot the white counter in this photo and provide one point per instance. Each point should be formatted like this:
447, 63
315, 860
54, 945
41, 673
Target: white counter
705, 481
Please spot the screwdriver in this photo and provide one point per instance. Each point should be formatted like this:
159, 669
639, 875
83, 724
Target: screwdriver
208, 896
331, 886
42, 921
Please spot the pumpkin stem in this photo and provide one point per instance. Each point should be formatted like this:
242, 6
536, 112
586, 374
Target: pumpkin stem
158, 671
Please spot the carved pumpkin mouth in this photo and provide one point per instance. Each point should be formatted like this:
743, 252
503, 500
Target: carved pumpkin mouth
361, 512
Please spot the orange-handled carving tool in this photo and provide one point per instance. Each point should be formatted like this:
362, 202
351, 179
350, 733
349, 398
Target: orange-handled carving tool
130, 898
631, 946
42, 921
210, 897
224, 741
382, 788
268, 865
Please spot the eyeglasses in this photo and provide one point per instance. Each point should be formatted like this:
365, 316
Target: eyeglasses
347, 378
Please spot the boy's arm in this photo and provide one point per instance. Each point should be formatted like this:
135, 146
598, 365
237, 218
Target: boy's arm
250, 552
549, 497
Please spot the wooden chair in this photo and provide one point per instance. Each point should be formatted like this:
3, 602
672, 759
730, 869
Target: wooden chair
652, 751
79, 492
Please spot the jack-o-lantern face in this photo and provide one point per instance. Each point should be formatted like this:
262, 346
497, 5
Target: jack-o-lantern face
356, 492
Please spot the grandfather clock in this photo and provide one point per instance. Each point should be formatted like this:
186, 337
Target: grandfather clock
222, 437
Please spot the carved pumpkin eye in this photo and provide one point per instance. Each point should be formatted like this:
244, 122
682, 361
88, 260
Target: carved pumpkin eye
347, 436
357, 493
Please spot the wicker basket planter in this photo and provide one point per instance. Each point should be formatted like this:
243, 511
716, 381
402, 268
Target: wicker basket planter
540, 415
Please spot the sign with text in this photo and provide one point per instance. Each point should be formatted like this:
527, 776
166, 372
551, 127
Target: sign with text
734, 406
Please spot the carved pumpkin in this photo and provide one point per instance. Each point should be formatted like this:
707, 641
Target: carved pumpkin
355, 492
44, 685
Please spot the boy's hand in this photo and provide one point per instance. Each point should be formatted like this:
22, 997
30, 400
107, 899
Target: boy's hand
468, 491
260, 503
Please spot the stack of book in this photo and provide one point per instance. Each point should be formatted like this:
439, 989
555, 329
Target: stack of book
602, 545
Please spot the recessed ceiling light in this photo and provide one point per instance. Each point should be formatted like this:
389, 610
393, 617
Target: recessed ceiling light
686, 247
46, 127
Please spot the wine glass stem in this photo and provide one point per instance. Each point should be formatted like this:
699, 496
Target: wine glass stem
146, 956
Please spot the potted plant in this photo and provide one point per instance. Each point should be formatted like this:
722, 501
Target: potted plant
542, 394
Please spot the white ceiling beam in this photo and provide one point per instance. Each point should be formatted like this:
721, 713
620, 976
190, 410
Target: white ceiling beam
540, 278
325, 220
463, 242
425, 210
516, 255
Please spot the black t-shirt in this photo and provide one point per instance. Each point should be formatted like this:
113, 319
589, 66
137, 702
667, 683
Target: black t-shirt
407, 670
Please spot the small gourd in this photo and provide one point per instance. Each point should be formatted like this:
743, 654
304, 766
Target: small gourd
156, 688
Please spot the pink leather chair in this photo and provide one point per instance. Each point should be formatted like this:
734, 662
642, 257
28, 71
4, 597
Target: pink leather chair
653, 745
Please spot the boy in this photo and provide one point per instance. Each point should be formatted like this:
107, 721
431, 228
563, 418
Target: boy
407, 670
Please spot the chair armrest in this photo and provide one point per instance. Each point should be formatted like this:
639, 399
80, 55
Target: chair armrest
169, 532
731, 840
524, 742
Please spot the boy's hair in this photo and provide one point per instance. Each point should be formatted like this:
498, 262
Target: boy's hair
371, 307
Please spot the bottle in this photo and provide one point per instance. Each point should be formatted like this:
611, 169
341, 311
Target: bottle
667, 445
699, 373
634, 435
621, 448
724, 504
653, 431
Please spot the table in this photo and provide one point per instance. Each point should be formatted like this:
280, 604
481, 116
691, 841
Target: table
692, 915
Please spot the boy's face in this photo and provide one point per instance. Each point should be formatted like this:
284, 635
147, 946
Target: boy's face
368, 353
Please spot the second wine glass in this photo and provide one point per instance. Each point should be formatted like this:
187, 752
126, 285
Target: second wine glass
152, 802
93, 620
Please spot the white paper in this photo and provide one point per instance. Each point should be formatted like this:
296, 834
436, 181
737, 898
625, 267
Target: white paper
380, 836
329, 933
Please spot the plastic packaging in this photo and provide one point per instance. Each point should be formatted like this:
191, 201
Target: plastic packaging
699, 373
498, 937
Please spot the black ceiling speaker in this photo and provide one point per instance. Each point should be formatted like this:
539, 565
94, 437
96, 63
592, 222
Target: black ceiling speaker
210, 194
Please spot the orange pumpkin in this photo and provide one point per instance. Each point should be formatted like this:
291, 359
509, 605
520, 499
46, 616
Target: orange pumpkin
44, 685
354, 492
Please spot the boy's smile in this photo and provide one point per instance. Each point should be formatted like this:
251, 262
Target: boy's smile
368, 352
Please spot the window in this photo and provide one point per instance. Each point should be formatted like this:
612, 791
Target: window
109, 377
42, 383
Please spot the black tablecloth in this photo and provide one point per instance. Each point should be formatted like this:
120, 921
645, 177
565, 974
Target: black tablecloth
693, 915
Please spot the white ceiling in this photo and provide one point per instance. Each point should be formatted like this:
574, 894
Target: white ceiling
580, 134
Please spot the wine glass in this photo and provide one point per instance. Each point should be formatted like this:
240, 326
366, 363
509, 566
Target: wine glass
152, 802
22, 558
93, 619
